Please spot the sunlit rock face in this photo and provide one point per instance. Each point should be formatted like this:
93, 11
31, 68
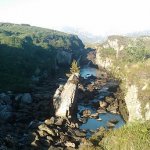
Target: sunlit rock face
101, 61
133, 104
136, 108
65, 97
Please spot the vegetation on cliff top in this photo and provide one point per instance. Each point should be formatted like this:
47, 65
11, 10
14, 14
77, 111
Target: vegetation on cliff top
132, 67
133, 63
74, 67
25, 35
24, 49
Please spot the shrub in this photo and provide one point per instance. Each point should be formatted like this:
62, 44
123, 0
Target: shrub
74, 67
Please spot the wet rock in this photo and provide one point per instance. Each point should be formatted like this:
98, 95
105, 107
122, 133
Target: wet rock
5, 99
109, 99
44, 127
27, 139
113, 108
90, 87
33, 124
112, 86
45, 142
110, 125
50, 121
59, 121
18, 97
83, 120
70, 144
99, 119
35, 79
103, 104
55, 148
9, 141
63, 137
3, 147
72, 125
5, 113
86, 113
114, 121
80, 133
42, 133
101, 111
95, 115
104, 93
49, 138
35, 142
26, 98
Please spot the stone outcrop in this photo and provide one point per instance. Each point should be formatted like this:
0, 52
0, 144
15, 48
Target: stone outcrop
63, 58
102, 62
134, 101
135, 107
65, 97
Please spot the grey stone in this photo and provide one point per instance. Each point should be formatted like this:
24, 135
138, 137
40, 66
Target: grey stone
70, 144
18, 97
5, 99
26, 98
5, 113
44, 127
50, 121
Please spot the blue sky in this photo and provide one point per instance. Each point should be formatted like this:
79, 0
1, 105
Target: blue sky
99, 17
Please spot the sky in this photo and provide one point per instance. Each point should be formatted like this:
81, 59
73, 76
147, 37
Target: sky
99, 17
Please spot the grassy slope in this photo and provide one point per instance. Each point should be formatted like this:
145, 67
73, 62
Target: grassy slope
135, 136
24, 48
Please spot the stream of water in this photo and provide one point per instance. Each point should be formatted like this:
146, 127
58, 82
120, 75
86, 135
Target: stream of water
93, 124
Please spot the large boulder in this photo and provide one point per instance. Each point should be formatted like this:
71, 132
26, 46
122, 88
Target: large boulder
65, 100
64, 58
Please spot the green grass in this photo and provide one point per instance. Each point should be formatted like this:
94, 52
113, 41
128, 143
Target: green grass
135, 136
24, 48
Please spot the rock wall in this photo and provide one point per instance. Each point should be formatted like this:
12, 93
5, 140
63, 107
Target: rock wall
103, 62
65, 97
63, 58
136, 108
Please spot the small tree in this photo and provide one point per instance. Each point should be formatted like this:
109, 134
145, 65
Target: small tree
74, 67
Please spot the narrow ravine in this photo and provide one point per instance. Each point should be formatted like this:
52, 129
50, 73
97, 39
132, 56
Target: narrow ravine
96, 118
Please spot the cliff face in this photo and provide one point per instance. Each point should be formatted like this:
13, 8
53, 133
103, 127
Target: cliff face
103, 62
135, 77
137, 110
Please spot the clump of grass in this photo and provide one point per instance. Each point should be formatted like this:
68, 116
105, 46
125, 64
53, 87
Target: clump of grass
135, 136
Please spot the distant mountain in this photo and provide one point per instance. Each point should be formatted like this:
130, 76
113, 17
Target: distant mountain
85, 36
139, 33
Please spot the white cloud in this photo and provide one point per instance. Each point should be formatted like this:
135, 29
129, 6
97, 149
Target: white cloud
96, 16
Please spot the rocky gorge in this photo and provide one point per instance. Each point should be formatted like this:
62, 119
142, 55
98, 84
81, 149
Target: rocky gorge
78, 112
28, 119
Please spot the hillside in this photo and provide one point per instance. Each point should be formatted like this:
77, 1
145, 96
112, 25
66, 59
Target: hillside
127, 59
27, 51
